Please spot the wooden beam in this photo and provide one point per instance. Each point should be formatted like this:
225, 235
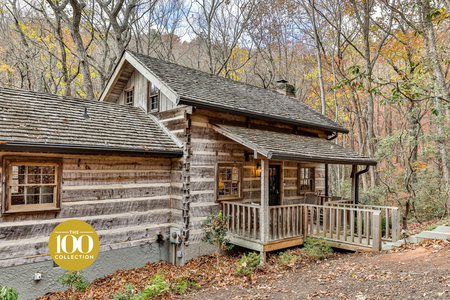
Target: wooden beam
353, 177
264, 200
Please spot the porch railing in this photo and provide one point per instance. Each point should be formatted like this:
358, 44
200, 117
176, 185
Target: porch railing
285, 221
338, 223
355, 226
389, 215
245, 219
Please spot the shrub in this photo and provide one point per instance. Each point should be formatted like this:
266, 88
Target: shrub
8, 293
73, 280
127, 295
248, 264
215, 228
287, 259
317, 248
183, 285
157, 287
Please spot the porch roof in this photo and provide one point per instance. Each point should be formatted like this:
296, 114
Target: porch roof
285, 146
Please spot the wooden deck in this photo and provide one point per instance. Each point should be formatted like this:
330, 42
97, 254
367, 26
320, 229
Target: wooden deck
347, 226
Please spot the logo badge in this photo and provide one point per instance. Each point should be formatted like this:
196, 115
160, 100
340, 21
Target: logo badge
74, 245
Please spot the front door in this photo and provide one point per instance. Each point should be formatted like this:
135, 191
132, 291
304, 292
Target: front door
274, 185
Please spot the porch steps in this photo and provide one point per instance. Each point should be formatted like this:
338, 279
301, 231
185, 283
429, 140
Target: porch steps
440, 233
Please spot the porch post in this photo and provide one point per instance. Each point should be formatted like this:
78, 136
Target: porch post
353, 176
264, 223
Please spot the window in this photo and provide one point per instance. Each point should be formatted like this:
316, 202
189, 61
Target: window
228, 181
31, 184
129, 97
153, 97
306, 179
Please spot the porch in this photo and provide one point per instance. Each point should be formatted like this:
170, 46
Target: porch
347, 225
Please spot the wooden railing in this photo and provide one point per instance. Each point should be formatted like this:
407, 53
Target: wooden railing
285, 221
355, 226
389, 215
338, 223
245, 219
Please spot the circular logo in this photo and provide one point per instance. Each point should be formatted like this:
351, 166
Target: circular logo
74, 245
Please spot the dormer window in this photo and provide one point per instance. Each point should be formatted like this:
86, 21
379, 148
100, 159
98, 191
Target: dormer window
129, 97
153, 97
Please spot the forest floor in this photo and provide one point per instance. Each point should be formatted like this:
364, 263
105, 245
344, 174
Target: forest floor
409, 272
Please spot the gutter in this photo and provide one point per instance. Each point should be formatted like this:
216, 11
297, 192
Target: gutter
282, 156
256, 115
357, 183
50, 147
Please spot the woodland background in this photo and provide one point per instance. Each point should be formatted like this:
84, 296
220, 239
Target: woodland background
379, 67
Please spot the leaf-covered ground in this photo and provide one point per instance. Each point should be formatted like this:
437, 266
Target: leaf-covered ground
409, 272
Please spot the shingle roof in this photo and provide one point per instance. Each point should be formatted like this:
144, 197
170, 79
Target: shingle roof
275, 145
202, 89
50, 120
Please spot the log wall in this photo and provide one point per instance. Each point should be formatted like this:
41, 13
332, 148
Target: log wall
126, 199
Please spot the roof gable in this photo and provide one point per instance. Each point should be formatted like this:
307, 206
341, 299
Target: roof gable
191, 87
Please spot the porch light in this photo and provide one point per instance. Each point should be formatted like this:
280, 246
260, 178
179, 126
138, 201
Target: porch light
258, 170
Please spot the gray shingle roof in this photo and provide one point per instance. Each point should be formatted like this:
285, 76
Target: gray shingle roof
202, 89
43, 119
275, 145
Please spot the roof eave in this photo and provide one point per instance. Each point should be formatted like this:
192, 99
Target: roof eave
338, 161
86, 149
222, 108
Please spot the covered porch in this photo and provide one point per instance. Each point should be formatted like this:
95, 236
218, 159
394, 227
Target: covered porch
269, 224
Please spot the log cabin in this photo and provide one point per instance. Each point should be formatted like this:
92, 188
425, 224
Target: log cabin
164, 147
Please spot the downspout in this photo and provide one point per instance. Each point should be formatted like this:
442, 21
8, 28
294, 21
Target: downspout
326, 168
357, 183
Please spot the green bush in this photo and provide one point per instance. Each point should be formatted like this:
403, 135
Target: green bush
215, 229
127, 295
248, 264
317, 248
73, 280
183, 285
157, 287
8, 293
287, 259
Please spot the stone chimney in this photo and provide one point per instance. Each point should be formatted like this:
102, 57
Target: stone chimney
283, 87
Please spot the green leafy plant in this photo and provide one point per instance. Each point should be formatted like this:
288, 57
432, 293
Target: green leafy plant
182, 285
127, 295
317, 248
158, 286
8, 293
215, 228
287, 259
248, 264
74, 280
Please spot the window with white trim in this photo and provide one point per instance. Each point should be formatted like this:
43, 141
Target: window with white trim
153, 97
306, 179
31, 184
229, 181
129, 95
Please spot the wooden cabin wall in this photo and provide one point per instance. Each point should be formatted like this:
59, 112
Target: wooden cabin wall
140, 85
126, 199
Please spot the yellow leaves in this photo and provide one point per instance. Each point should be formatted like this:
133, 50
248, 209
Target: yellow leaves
5, 68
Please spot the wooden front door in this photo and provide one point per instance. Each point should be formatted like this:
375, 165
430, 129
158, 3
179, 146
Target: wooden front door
274, 185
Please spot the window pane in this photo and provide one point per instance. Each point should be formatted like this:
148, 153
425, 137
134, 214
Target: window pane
18, 169
47, 189
17, 190
34, 179
33, 199
34, 169
48, 170
17, 200
33, 190
47, 179
47, 198
18, 179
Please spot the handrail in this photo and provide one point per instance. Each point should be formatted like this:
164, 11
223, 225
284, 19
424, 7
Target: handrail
351, 224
